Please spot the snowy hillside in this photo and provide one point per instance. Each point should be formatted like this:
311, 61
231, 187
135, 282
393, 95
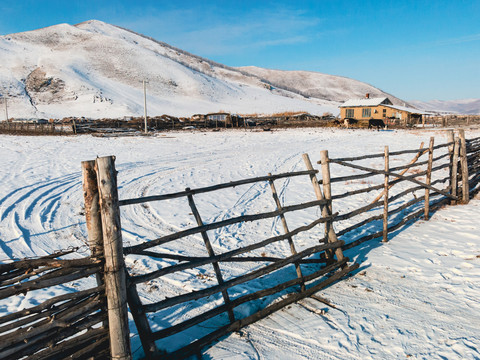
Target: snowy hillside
318, 85
465, 107
95, 69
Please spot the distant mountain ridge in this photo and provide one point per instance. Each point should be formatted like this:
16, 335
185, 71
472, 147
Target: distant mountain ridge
465, 106
95, 69
318, 85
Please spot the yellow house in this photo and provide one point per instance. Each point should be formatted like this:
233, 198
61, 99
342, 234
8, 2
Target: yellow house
379, 108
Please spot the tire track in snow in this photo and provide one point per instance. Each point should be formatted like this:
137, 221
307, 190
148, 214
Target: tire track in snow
32, 212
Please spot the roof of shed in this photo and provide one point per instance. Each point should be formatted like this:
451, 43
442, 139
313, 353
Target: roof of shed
382, 101
367, 102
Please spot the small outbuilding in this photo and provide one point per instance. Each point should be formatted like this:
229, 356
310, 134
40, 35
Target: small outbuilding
380, 108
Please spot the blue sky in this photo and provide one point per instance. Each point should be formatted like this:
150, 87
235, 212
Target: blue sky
419, 50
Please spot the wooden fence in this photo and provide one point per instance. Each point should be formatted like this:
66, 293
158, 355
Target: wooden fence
75, 324
435, 159
30, 128
69, 325
438, 171
473, 165
325, 260
437, 175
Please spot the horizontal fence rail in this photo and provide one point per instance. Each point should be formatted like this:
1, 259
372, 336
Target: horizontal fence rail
214, 188
67, 325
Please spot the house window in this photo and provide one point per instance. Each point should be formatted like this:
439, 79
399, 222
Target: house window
367, 112
349, 113
217, 117
384, 113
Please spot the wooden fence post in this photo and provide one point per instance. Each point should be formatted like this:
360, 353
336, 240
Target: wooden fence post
92, 212
285, 228
385, 198
92, 208
327, 187
451, 141
330, 233
141, 322
464, 166
115, 272
428, 179
211, 253
454, 173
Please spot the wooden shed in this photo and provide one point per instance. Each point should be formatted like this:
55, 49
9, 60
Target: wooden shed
380, 108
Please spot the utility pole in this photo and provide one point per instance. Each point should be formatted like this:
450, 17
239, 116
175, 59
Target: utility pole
6, 107
145, 103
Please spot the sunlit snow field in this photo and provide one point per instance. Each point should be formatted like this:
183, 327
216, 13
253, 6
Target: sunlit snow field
416, 297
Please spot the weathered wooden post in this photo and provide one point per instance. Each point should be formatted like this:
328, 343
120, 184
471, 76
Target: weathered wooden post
428, 179
115, 282
464, 167
92, 208
285, 228
385, 198
92, 211
211, 253
330, 233
451, 142
454, 177
327, 187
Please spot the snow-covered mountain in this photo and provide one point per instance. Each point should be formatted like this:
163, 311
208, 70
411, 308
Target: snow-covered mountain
95, 69
318, 85
466, 106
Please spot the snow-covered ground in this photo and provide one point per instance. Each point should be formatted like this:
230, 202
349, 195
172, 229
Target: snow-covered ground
416, 297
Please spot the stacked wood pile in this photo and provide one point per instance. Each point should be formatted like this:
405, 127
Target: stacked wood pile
68, 325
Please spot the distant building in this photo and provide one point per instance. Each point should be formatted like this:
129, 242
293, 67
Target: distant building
219, 119
379, 108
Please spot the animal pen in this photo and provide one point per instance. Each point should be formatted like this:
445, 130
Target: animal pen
93, 322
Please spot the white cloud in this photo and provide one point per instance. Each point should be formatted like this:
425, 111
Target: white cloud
458, 40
